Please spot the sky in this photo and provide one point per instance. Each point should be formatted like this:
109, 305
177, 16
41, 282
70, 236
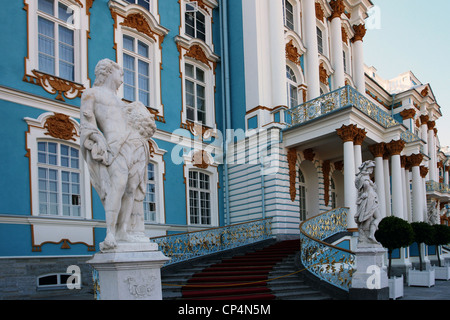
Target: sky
413, 35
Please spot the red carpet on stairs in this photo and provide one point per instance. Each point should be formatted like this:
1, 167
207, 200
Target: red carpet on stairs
242, 277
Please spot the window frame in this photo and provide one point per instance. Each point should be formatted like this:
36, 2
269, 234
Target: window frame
60, 169
136, 59
302, 187
213, 173
80, 29
157, 160
196, 83
38, 133
206, 8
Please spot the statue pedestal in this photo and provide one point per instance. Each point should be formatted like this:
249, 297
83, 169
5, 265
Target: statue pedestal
370, 281
129, 272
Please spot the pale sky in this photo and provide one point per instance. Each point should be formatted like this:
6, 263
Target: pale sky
414, 35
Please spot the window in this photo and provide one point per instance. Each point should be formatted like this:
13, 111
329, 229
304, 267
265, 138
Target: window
199, 198
288, 14
302, 195
136, 67
142, 3
150, 195
56, 39
320, 40
292, 91
195, 87
195, 24
333, 194
59, 179
55, 281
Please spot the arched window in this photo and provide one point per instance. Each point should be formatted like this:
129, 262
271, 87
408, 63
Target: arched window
302, 195
292, 91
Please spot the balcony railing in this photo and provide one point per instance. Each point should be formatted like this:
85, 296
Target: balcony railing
327, 262
190, 245
433, 186
341, 98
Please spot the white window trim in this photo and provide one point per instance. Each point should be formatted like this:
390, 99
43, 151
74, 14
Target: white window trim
157, 160
81, 29
213, 173
121, 10
297, 18
37, 133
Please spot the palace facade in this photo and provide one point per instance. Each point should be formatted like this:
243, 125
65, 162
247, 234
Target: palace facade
264, 109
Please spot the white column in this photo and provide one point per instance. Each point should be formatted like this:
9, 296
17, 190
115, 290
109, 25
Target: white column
405, 204
417, 195
277, 54
432, 154
377, 151
357, 143
424, 194
424, 131
358, 58
312, 52
446, 175
348, 134
349, 183
395, 148
337, 56
408, 196
387, 186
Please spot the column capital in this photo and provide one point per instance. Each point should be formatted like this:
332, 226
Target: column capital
378, 150
424, 119
415, 159
408, 114
431, 125
360, 136
403, 161
339, 165
360, 32
337, 9
347, 133
395, 147
423, 171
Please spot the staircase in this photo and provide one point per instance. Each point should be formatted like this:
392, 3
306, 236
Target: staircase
267, 273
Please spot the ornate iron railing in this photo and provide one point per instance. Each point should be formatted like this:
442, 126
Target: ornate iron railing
327, 262
190, 245
341, 98
438, 187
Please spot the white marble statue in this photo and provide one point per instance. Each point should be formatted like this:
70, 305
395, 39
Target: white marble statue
114, 143
433, 213
368, 214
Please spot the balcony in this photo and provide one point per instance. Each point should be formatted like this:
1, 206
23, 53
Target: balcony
338, 100
438, 190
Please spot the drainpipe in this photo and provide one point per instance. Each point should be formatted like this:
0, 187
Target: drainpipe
226, 110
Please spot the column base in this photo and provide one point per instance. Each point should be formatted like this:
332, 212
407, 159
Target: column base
132, 271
